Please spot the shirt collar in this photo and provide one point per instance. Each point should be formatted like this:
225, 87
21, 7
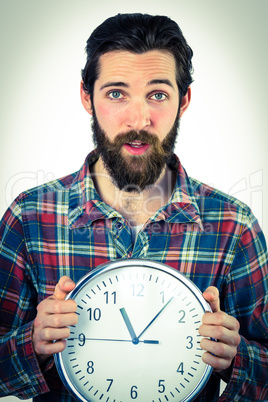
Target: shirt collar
86, 206
182, 206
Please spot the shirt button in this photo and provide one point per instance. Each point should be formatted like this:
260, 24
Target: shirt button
118, 225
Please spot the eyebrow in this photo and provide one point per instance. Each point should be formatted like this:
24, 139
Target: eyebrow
160, 81
125, 85
115, 84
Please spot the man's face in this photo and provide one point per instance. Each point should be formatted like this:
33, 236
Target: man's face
135, 115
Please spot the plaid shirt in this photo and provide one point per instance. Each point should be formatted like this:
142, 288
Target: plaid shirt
64, 228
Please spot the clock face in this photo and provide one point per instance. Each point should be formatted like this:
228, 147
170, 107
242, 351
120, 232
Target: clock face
137, 335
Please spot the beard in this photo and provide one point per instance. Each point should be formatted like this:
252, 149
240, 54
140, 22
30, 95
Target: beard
134, 173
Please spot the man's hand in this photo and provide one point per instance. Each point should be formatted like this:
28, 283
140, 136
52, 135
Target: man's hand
222, 327
54, 315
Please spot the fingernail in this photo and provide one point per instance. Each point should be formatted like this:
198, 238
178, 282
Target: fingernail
69, 282
209, 292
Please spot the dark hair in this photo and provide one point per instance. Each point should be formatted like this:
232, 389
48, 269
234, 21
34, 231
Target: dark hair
138, 33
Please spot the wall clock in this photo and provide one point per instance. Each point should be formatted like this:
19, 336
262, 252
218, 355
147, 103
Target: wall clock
137, 335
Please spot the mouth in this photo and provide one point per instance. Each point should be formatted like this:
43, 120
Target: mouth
136, 147
136, 144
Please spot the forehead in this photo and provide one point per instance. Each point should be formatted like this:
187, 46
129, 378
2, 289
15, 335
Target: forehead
125, 65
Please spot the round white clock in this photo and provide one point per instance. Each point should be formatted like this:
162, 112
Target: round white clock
137, 335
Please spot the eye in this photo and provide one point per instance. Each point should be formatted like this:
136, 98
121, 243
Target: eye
115, 95
158, 96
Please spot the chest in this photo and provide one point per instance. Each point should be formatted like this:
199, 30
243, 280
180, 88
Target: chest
202, 256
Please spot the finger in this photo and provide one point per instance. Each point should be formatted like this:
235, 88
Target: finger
54, 334
46, 349
63, 287
220, 333
211, 294
221, 319
44, 339
61, 321
216, 362
52, 306
219, 349
46, 334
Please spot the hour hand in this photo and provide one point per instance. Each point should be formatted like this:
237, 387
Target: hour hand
129, 325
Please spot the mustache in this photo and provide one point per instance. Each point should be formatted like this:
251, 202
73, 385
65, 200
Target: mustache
163, 149
131, 136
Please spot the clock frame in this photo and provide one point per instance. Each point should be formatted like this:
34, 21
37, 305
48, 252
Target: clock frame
137, 335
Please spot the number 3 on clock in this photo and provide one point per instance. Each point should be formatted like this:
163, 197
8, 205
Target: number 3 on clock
190, 342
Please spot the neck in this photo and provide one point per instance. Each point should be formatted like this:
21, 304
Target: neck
137, 208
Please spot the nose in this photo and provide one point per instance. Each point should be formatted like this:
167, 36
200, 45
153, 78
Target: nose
137, 115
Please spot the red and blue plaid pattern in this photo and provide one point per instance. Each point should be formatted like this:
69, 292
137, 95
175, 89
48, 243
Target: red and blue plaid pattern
64, 228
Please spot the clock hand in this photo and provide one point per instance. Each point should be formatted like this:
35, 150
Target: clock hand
155, 317
153, 342
129, 325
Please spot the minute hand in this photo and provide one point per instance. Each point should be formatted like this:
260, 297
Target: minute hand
157, 315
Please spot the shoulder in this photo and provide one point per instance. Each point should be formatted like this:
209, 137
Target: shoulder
72, 185
55, 186
212, 201
202, 190
41, 198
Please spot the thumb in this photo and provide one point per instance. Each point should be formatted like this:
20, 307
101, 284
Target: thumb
63, 287
211, 294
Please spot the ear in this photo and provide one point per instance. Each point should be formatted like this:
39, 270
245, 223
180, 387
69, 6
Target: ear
185, 101
86, 100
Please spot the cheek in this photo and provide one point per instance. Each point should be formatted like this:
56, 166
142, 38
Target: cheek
108, 114
103, 112
108, 118
163, 120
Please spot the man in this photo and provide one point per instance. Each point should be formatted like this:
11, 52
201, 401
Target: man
132, 199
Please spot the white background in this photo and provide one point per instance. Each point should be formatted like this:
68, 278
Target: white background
45, 132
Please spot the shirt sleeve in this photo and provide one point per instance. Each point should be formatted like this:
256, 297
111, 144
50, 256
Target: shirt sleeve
20, 374
246, 298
